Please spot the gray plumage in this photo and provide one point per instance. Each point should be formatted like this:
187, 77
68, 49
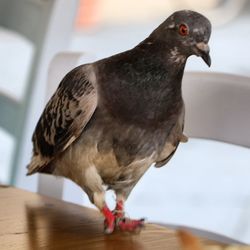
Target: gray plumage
110, 120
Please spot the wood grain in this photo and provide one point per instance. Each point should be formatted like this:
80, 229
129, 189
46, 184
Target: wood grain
33, 222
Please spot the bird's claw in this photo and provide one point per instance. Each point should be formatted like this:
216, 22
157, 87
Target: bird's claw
129, 225
109, 226
109, 222
116, 219
118, 214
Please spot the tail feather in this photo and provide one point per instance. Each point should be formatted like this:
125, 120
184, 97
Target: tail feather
37, 164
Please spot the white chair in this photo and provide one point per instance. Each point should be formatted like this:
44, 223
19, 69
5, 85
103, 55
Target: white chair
205, 186
217, 108
47, 26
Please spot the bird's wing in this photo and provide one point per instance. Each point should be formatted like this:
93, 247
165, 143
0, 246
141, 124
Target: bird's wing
175, 137
64, 117
169, 152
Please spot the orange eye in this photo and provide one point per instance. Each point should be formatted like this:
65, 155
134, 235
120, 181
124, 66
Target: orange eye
183, 30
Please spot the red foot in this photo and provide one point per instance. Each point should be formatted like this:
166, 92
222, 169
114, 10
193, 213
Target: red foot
129, 225
119, 210
109, 222
117, 219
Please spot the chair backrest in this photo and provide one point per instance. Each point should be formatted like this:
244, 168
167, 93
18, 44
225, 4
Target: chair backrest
47, 26
31, 20
217, 107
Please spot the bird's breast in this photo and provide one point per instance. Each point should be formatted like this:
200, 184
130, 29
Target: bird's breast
121, 152
129, 139
139, 89
143, 110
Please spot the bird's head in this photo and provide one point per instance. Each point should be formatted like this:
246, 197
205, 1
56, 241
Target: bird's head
187, 33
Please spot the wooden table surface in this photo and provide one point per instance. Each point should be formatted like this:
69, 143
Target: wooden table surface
31, 221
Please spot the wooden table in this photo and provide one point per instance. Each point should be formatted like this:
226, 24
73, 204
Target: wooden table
31, 221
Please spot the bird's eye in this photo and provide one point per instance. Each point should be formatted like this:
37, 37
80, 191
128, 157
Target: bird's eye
183, 30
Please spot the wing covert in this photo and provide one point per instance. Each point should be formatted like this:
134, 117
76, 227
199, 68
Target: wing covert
64, 117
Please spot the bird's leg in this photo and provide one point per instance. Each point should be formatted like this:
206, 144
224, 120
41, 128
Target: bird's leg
109, 222
123, 223
119, 209
93, 187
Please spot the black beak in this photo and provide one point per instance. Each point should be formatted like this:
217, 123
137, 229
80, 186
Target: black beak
206, 58
203, 51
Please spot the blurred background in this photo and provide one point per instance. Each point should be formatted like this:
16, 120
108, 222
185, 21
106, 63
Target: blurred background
203, 176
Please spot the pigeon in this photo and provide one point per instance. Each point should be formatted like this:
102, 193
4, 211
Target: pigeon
110, 120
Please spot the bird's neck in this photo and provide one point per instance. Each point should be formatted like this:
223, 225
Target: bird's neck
165, 52
143, 84
164, 62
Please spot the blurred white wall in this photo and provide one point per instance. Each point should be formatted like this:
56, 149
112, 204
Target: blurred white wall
141, 11
229, 42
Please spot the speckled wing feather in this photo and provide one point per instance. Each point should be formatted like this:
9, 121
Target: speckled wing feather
64, 117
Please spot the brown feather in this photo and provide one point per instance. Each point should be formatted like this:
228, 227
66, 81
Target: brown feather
64, 117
